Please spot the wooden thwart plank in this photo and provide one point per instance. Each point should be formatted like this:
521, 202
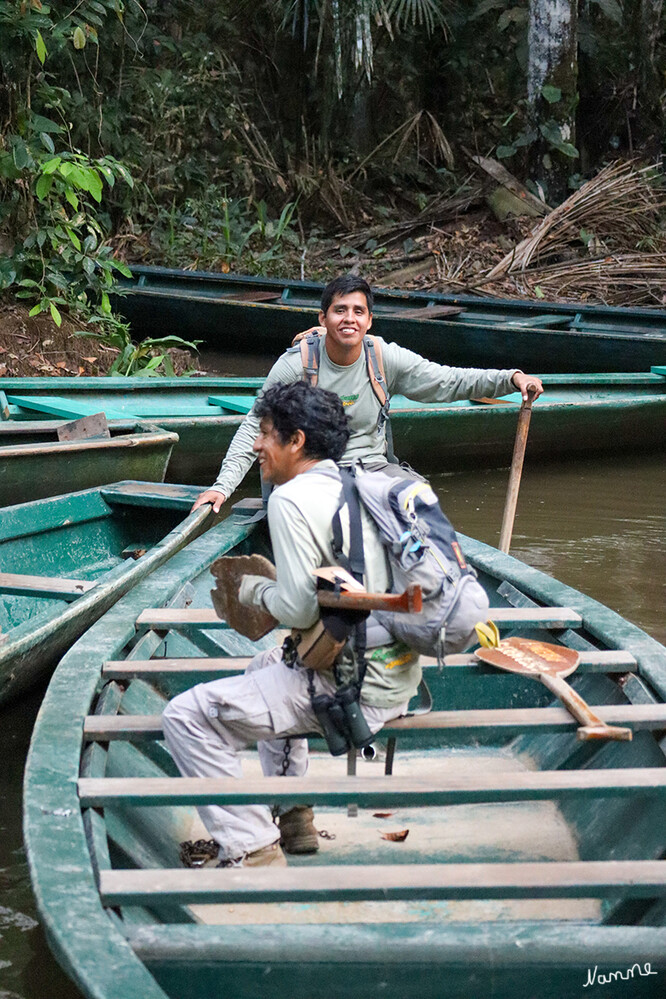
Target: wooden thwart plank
384, 882
503, 722
545, 617
68, 409
234, 403
505, 617
19, 584
163, 618
371, 792
597, 661
123, 669
603, 661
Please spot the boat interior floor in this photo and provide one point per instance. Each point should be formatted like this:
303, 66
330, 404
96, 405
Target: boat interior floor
454, 834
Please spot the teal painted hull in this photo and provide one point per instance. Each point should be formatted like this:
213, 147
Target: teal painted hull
235, 314
578, 414
487, 936
79, 537
49, 467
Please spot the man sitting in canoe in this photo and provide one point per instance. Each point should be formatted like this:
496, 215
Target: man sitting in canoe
303, 431
339, 362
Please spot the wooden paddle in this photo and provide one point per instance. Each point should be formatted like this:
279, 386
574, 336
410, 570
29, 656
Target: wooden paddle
254, 623
516, 472
550, 664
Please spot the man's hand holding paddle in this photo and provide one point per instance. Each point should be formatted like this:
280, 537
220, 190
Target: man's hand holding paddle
527, 383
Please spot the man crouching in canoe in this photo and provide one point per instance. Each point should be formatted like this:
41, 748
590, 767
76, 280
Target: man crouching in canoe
303, 432
364, 371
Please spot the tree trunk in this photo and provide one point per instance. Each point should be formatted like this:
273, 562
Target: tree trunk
645, 118
552, 66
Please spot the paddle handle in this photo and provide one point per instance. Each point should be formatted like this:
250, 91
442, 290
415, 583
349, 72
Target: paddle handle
524, 417
409, 602
591, 726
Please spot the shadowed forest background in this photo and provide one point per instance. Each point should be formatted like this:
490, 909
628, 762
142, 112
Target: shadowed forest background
419, 141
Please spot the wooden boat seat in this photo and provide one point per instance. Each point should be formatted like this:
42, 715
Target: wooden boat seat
22, 585
235, 404
374, 792
164, 618
387, 882
67, 409
498, 722
424, 312
212, 668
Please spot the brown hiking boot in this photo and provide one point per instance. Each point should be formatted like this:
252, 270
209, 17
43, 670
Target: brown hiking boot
265, 857
297, 831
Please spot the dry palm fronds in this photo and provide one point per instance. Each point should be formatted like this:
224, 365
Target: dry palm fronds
424, 133
619, 206
620, 279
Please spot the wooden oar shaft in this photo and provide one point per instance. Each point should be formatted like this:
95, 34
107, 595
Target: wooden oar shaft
516, 472
592, 727
409, 602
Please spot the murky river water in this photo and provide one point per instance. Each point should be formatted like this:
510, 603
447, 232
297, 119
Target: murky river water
596, 525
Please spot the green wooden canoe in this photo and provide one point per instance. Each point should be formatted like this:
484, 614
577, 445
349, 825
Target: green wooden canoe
44, 466
578, 414
235, 313
532, 860
66, 559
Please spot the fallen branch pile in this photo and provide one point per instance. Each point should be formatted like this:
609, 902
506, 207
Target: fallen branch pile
622, 279
616, 210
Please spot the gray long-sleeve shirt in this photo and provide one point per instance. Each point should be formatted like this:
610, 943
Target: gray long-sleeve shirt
407, 374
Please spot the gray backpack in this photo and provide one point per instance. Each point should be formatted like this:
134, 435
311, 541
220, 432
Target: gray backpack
423, 549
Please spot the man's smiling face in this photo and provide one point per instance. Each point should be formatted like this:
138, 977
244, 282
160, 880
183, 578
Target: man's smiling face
347, 320
275, 458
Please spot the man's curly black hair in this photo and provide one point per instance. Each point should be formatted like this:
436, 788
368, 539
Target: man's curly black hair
315, 411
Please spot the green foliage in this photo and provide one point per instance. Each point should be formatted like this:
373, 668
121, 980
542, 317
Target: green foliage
147, 359
220, 233
50, 191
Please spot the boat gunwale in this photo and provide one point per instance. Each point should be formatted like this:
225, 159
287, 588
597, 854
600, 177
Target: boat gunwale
19, 643
399, 294
55, 785
142, 437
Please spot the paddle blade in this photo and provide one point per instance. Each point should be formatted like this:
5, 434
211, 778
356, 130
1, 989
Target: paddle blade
228, 571
530, 657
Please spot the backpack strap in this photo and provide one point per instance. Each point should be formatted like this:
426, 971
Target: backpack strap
375, 365
355, 564
310, 344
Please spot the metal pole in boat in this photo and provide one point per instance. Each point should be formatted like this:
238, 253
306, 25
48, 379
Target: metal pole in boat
516, 472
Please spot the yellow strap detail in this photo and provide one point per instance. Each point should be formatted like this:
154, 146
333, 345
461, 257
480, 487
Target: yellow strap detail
488, 634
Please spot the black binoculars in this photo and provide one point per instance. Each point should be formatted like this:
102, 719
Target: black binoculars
342, 720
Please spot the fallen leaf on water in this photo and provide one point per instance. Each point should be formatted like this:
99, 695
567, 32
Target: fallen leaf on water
382, 815
396, 837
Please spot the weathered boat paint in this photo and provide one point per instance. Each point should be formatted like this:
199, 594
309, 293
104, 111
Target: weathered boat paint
48, 467
577, 414
250, 314
80, 536
610, 807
